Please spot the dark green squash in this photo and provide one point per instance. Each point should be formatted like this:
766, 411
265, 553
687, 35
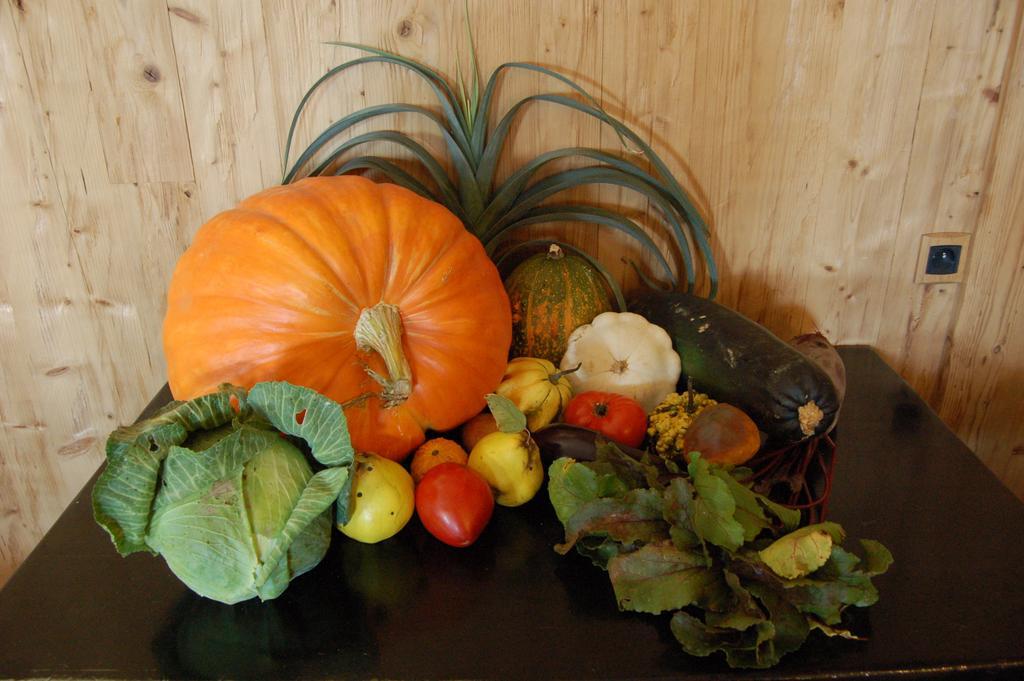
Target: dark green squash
551, 295
736, 360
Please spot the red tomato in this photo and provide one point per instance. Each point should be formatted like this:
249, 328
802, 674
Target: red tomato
454, 503
617, 417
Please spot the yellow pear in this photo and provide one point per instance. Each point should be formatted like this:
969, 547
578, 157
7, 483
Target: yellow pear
511, 465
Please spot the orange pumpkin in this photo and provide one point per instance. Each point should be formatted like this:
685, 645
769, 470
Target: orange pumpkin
348, 287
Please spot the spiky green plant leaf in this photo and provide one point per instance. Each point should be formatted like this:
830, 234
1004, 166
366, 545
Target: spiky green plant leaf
492, 210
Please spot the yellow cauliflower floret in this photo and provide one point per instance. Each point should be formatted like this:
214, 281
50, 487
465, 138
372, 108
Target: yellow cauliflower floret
670, 419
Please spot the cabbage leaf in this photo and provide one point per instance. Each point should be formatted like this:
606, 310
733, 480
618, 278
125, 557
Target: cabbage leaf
213, 485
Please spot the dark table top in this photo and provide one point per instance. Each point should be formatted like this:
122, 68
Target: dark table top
509, 607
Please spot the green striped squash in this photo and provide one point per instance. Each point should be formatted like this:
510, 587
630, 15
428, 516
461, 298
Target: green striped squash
551, 294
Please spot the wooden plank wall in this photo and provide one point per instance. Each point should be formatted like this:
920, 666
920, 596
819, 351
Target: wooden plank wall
822, 137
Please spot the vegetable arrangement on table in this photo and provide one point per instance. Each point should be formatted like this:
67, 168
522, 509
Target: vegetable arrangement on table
332, 343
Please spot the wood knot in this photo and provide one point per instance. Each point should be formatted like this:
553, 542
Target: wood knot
405, 28
991, 94
151, 73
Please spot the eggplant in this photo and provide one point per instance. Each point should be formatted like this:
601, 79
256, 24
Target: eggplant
736, 360
576, 442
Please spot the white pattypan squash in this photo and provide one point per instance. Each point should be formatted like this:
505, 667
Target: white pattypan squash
623, 353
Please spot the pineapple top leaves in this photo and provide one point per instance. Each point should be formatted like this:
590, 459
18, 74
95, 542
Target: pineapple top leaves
491, 210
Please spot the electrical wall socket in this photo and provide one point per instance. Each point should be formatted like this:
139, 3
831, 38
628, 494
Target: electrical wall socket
943, 258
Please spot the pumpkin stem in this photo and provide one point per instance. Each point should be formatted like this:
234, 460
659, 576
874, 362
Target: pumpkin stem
555, 252
380, 329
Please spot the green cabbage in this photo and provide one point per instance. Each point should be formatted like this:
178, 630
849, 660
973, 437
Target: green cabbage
235, 508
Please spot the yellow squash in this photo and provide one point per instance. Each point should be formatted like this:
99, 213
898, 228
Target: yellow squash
537, 388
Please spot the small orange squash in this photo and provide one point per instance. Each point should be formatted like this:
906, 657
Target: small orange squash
435, 452
476, 428
348, 287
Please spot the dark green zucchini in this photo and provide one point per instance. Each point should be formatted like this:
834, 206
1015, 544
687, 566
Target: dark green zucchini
736, 360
